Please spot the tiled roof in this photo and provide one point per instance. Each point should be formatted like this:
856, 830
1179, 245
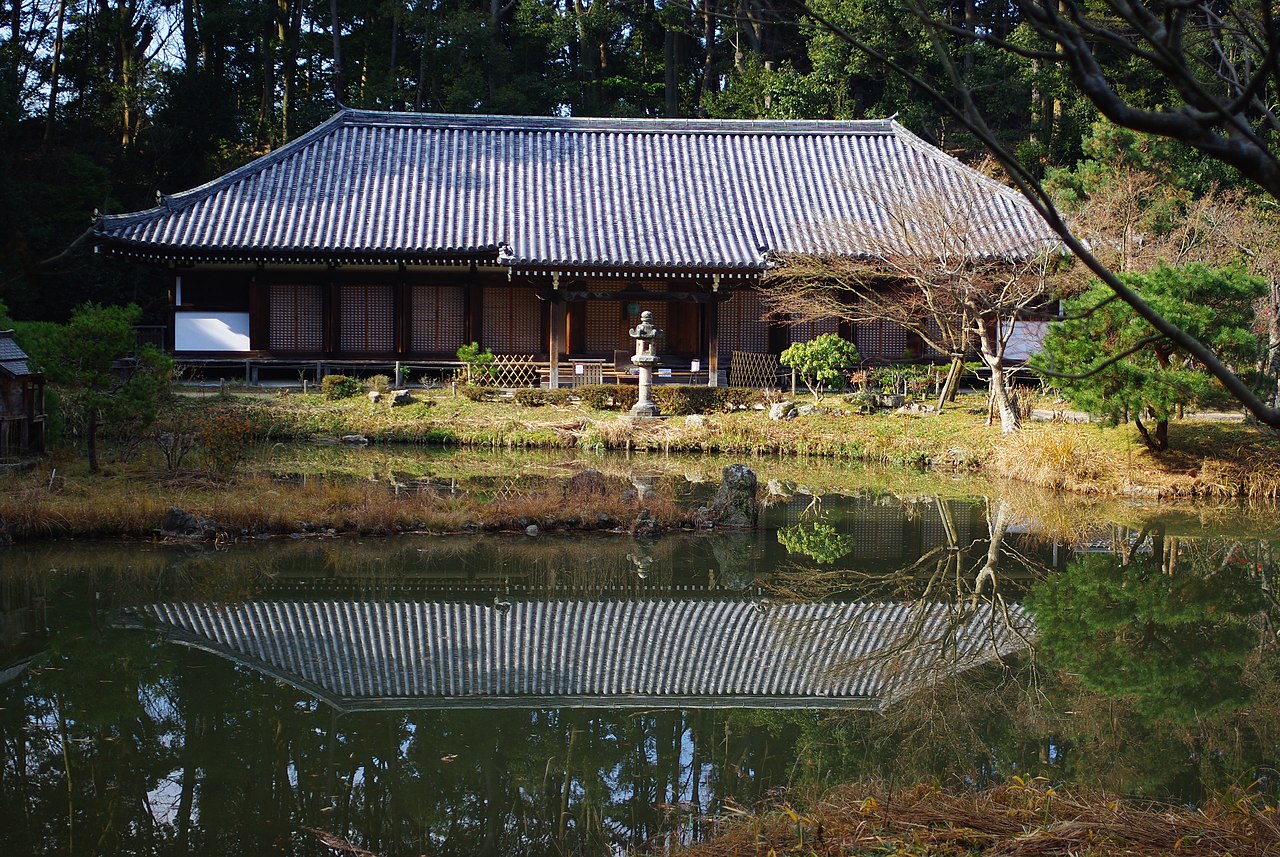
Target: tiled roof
563, 192
13, 360
357, 654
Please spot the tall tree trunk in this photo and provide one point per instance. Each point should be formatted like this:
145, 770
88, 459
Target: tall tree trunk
707, 80
671, 80
292, 33
393, 77
267, 98
1157, 440
190, 39
337, 51
1002, 399
1272, 364
55, 75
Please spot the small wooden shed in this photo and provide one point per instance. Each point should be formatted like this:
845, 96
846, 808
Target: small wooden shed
21, 401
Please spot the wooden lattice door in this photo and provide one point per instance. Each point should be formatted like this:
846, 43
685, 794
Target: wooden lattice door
296, 318
367, 318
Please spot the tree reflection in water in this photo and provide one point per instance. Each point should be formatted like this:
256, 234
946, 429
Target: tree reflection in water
1154, 674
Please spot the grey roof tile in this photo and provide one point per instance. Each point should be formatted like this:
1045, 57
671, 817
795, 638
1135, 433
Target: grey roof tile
569, 192
607, 652
13, 359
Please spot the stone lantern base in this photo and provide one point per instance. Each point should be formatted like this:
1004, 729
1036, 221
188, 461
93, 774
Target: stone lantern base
645, 411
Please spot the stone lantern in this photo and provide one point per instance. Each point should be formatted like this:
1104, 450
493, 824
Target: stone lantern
644, 333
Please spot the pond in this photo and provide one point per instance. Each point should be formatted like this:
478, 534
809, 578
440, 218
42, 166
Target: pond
513, 695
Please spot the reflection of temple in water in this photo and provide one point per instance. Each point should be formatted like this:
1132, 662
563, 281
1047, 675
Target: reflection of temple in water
22, 621
633, 653
889, 529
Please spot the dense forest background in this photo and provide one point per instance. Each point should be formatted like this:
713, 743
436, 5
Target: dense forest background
104, 103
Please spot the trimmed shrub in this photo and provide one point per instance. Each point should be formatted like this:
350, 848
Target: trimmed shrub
477, 393
738, 398
607, 397
533, 397
381, 383
682, 401
679, 401
339, 387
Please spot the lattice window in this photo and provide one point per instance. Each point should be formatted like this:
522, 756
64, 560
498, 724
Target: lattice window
297, 318
512, 321
882, 340
740, 326
877, 531
367, 320
439, 319
602, 331
935, 332
809, 330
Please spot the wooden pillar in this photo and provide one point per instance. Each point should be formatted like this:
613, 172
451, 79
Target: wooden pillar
332, 309
171, 335
712, 319
402, 314
475, 308
259, 314
558, 339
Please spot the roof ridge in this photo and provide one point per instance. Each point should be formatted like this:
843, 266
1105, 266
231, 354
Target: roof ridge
605, 124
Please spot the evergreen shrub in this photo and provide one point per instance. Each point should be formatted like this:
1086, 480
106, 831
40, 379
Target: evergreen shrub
339, 387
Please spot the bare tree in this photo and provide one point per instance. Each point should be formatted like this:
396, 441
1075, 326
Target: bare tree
1221, 62
923, 265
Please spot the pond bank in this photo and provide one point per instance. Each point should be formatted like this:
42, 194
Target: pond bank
1207, 458
323, 490
260, 466
1019, 818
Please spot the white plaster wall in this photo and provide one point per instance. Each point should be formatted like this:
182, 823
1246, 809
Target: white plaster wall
211, 331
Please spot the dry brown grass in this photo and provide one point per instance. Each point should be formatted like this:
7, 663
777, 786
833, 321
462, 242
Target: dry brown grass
1058, 457
35, 508
1020, 819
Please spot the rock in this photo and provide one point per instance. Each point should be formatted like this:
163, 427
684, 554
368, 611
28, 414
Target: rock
532, 530
778, 488
398, 398
6, 537
587, 483
355, 440
736, 557
735, 503
645, 524
179, 524
375, 396
782, 411
644, 484
695, 421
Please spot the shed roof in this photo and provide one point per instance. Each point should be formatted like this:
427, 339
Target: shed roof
628, 653
563, 193
13, 360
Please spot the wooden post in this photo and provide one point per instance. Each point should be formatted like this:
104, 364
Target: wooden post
400, 309
713, 342
475, 309
558, 344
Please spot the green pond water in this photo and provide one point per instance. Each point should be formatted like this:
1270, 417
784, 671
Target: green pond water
596, 694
